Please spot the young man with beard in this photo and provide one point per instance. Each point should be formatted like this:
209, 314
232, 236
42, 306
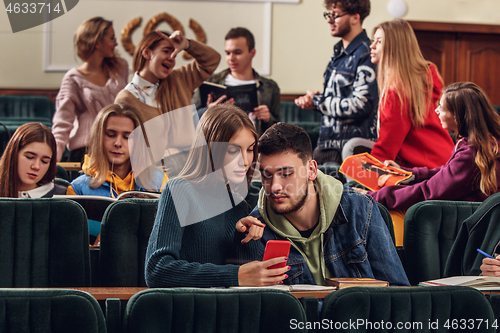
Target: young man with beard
334, 230
240, 49
350, 97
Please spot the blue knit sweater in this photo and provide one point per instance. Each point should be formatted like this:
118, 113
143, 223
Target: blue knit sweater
202, 254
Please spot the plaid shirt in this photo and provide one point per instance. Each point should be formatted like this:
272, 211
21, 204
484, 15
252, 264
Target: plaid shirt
350, 98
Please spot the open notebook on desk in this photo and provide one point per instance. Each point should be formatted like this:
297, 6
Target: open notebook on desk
479, 282
293, 287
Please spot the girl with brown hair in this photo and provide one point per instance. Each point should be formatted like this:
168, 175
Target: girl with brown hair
28, 165
87, 89
472, 172
157, 89
194, 241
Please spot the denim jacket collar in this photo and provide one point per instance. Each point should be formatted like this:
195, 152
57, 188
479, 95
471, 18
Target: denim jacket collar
353, 45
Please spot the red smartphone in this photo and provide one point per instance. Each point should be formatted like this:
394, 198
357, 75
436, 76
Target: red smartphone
276, 249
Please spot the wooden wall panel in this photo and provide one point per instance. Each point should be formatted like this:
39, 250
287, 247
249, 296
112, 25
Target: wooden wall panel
463, 52
439, 47
479, 62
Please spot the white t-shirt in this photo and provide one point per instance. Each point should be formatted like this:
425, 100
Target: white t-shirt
232, 81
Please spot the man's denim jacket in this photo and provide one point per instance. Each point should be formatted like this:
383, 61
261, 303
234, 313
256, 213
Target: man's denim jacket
349, 101
357, 244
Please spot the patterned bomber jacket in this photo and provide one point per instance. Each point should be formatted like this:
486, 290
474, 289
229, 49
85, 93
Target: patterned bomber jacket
350, 98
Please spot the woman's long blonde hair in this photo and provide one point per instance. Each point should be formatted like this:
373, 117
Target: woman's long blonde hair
218, 124
478, 121
98, 164
87, 35
403, 69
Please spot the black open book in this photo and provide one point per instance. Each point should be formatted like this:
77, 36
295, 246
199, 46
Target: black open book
245, 96
95, 206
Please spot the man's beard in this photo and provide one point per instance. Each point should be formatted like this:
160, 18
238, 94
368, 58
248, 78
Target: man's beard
294, 205
343, 30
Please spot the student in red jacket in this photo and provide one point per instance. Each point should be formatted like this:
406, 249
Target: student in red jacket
409, 130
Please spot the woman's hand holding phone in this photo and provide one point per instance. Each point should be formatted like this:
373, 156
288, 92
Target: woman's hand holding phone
271, 270
258, 274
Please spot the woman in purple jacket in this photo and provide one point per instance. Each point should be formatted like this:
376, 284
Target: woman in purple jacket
471, 173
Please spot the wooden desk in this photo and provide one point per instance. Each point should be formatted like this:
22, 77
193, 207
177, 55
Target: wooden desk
124, 293
69, 166
102, 293
316, 294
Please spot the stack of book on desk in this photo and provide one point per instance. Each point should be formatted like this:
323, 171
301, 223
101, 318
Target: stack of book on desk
341, 283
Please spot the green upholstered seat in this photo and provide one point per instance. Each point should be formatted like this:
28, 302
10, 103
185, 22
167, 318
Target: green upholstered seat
212, 310
95, 209
5, 135
388, 220
415, 307
497, 108
61, 172
44, 243
494, 300
18, 106
430, 230
125, 230
291, 113
61, 182
309, 120
13, 123
68, 175
16, 110
54, 311
480, 230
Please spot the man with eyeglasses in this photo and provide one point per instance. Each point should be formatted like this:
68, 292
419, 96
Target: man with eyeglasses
350, 98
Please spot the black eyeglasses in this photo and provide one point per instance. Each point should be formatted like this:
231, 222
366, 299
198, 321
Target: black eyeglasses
332, 17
